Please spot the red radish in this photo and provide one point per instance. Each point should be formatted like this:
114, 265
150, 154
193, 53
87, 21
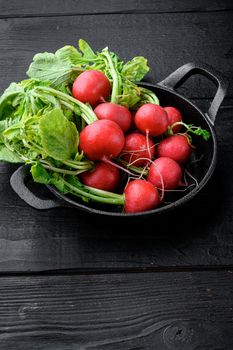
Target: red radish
165, 173
152, 119
101, 139
104, 177
136, 147
112, 111
140, 195
174, 116
91, 86
176, 147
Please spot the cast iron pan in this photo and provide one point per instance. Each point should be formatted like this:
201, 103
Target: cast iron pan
202, 163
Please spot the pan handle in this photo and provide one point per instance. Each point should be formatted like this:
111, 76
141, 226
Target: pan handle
18, 183
177, 78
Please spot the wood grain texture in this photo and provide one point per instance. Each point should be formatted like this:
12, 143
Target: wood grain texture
137, 311
197, 36
197, 235
24, 8
178, 311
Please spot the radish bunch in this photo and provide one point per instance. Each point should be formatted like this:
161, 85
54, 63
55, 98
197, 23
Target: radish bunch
141, 152
84, 125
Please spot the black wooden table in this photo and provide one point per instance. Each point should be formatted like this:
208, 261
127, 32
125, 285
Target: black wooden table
69, 281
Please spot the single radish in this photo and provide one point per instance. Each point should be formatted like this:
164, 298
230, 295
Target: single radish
101, 139
91, 87
174, 116
112, 111
104, 177
138, 149
140, 195
176, 147
165, 173
151, 119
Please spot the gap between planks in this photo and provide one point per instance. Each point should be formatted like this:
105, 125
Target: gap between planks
129, 12
62, 272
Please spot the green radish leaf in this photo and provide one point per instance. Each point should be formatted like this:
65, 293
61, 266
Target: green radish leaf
69, 54
58, 181
136, 69
3, 126
146, 96
197, 131
202, 132
85, 48
130, 94
6, 155
59, 136
206, 135
7, 100
40, 174
13, 131
48, 67
59, 68
12, 90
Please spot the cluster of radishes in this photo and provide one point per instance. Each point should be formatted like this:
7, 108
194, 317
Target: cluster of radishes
134, 142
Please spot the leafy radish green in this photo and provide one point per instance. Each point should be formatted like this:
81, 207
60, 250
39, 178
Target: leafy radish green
6, 155
69, 54
136, 69
7, 100
59, 136
57, 68
49, 138
86, 50
33, 96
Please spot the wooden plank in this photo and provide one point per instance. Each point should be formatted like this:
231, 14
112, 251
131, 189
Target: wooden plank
24, 8
197, 36
179, 311
197, 235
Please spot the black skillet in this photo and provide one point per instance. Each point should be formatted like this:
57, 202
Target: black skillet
204, 155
